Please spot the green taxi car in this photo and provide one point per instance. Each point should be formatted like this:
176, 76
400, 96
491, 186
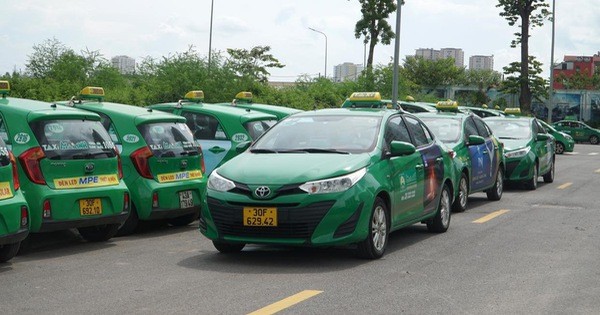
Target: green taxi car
564, 142
69, 170
484, 112
14, 215
528, 149
366, 100
218, 129
580, 131
245, 100
418, 107
162, 165
479, 159
331, 177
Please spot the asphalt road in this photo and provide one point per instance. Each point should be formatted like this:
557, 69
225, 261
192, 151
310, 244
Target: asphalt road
540, 255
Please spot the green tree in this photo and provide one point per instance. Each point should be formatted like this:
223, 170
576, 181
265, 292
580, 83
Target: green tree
373, 26
484, 80
431, 74
513, 82
44, 57
253, 63
530, 13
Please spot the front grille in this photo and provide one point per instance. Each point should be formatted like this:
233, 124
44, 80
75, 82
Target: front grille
292, 222
292, 189
510, 167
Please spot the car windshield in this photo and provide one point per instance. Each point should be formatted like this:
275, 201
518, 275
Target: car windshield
510, 128
321, 134
256, 128
448, 130
4, 158
71, 139
169, 139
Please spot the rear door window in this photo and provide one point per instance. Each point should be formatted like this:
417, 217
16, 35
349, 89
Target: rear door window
204, 127
4, 158
72, 139
258, 127
169, 139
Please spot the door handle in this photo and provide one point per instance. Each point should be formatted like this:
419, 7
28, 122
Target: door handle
419, 166
439, 160
216, 149
485, 151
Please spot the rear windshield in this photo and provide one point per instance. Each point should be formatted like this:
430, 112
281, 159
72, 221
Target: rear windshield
169, 139
4, 158
71, 139
510, 128
448, 130
258, 127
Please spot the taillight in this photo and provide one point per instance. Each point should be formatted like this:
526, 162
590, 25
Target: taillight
202, 167
119, 164
126, 202
47, 210
140, 161
24, 216
154, 200
452, 153
30, 161
13, 161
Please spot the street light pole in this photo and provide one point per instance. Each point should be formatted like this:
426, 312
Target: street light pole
551, 90
212, 3
314, 30
396, 54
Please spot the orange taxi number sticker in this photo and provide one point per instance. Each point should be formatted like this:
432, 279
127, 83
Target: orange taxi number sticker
256, 216
90, 206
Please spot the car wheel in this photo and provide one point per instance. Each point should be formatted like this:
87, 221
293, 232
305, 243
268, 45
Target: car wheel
8, 251
560, 148
224, 247
98, 233
549, 177
128, 227
373, 247
594, 139
183, 220
441, 220
531, 184
460, 204
495, 193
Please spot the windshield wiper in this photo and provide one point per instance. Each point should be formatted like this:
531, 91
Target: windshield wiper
314, 150
509, 138
262, 151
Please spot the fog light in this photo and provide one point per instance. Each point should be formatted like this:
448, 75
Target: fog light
47, 210
154, 200
126, 202
24, 216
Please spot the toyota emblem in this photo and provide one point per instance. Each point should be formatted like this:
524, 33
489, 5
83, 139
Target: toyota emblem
262, 191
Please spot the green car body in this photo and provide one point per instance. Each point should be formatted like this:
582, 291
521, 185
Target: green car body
69, 169
244, 100
528, 149
219, 129
484, 112
331, 177
580, 131
479, 159
14, 214
162, 165
418, 107
564, 141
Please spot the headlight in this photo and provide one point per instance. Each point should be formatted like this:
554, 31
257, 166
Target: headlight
517, 153
219, 183
332, 185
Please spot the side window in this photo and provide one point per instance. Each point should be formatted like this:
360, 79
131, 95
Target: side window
482, 128
417, 131
204, 127
541, 128
110, 128
470, 128
3, 131
395, 130
536, 129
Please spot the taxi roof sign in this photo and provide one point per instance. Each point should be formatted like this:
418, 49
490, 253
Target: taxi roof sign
365, 96
516, 111
4, 88
194, 96
92, 93
447, 106
244, 97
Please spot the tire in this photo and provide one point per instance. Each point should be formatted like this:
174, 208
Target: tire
531, 184
373, 247
100, 233
441, 221
8, 251
183, 220
128, 227
495, 193
560, 148
460, 204
594, 140
226, 248
549, 177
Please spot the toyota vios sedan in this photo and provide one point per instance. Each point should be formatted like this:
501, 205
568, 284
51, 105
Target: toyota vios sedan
331, 177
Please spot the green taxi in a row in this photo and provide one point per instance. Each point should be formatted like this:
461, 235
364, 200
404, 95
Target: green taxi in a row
218, 129
528, 148
563, 141
580, 131
69, 170
245, 100
479, 159
162, 164
331, 177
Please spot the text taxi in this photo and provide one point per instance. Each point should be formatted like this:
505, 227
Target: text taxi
69, 169
245, 100
479, 157
331, 177
218, 129
162, 164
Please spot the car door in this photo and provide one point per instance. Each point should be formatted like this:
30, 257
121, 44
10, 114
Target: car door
209, 133
544, 148
490, 152
578, 131
480, 160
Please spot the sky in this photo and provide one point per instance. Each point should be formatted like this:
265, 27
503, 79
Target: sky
150, 28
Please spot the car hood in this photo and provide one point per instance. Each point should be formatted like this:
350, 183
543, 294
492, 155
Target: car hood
514, 144
288, 168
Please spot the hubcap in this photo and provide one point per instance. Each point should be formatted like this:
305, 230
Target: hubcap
559, 148
379, 228
499, 184
594, 140
535, 176
462, 194
445, 208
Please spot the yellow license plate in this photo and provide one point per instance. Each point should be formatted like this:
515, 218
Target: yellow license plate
90, 206
260, 216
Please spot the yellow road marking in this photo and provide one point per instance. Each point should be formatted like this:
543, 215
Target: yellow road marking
287, 302
491, 216
598, 170
565, 185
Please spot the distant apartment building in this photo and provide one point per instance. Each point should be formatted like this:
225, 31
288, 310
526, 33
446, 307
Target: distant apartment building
585, 65
432, 54
124, 64
479, 62
347, 71
428, 53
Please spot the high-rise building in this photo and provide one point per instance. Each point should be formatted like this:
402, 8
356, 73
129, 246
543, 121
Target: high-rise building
347, 71
456, 53
479, 62
124, 64
428, 53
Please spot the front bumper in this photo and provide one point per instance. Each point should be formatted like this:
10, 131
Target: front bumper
521, 168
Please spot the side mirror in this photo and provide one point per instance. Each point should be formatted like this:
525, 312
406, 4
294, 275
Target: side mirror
542, 137
242, 146
398, 148
475, 140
